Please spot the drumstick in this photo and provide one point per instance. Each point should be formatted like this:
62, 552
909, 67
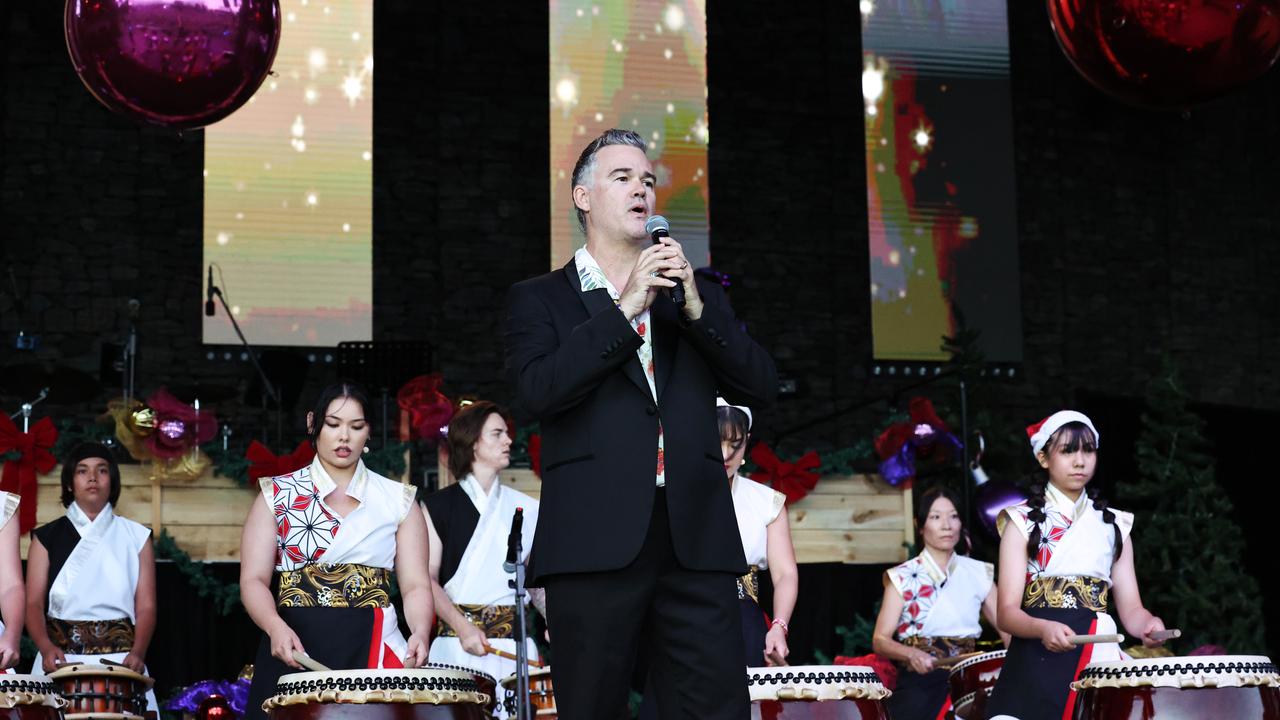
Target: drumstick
509, 656
1162, 635
306, 662
955, 660
1086, 639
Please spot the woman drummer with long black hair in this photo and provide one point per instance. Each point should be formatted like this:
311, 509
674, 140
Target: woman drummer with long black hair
333, 532
1063, 554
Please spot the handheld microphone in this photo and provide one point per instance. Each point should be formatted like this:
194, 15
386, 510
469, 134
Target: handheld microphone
658, 228
513, 541
208, 295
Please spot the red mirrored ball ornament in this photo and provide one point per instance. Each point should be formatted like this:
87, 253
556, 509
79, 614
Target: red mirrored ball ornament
177, 63
1168, 53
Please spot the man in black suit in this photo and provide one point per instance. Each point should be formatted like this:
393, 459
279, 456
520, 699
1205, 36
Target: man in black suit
637, 544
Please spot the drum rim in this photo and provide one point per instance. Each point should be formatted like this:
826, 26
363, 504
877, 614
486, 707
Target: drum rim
311, 675
533, 672
461, 668
93, 669
984, 657
784, 674
1178, 660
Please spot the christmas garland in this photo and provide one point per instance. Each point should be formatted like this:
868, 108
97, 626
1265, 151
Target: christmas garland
225, 596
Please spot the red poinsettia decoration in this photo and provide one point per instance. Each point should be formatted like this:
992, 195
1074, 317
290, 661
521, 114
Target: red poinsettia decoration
178, 426
267, 464
428, 409
794, 480
34, 458
881, 664
924, 435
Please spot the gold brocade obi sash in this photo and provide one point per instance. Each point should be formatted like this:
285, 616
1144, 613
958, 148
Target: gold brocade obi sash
1067, 591
343, 585
90, 637
497, 621
941, 647
749, 585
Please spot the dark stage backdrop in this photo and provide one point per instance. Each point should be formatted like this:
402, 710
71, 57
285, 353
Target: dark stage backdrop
1139, 233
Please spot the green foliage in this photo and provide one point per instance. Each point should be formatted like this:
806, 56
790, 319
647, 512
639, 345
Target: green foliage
1189, 551
388, 460
225, 596
855, 640
229, 463
71, 434
520, 446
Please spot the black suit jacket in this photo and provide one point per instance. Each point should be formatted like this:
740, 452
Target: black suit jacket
571, 358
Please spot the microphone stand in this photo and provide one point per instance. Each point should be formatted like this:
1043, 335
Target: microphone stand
269, 389
27, 407
523, 711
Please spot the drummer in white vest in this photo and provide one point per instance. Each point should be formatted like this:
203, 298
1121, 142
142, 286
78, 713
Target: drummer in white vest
11, 591
469, 523
91, 574
931, 608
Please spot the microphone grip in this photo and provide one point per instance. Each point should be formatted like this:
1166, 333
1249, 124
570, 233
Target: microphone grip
676, 293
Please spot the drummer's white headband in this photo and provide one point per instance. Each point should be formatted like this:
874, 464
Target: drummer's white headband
1043, 430
721, 402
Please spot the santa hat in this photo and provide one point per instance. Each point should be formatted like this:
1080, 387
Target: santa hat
1043, 430
721, 402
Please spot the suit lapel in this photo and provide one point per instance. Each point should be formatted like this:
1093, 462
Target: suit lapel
595, 302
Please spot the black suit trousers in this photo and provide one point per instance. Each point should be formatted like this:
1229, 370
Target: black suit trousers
683, 625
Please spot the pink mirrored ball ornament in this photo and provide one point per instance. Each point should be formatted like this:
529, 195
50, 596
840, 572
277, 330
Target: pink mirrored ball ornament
176, 63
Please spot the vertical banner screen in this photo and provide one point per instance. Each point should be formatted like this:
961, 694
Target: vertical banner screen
638, 65
940, 177
288, 190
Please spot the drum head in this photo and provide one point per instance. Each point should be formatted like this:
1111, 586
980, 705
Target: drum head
90, 669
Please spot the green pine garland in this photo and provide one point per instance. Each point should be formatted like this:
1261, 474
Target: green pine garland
225, 596
1190, 558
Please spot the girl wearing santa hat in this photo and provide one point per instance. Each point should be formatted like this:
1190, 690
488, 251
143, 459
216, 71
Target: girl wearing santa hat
1066, 561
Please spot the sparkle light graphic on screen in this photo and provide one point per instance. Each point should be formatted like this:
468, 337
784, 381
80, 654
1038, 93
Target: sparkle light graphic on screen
638, 65
940, 185
288, 208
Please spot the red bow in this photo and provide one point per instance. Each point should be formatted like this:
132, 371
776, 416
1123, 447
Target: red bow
535, 454
429, 410
266, 464
33, 458
794, 480
883, 667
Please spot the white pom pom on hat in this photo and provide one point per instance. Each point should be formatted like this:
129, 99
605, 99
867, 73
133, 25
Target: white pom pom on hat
1040, 433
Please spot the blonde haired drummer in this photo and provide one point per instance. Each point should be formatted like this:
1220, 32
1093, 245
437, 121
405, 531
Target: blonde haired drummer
931, 607
332, 533
91, 574
11, 590
1063, 554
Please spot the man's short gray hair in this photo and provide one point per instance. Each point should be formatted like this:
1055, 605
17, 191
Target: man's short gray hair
584, 170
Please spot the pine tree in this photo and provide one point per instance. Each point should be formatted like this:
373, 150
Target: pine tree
1189, 549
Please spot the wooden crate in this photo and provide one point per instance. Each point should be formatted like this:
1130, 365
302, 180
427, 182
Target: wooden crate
204, 515
856, 519
847, 519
